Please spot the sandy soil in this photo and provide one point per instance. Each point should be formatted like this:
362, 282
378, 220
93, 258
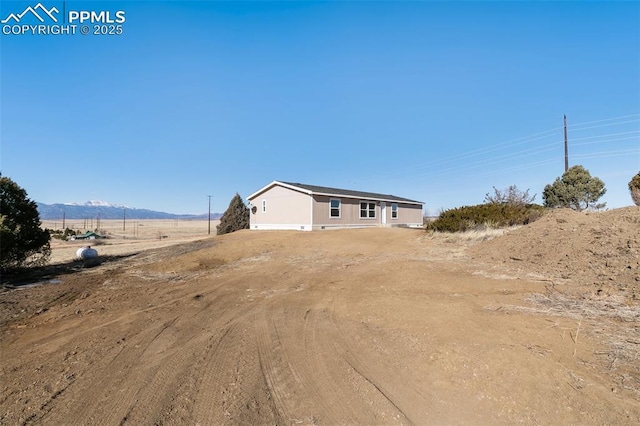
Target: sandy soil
374, 326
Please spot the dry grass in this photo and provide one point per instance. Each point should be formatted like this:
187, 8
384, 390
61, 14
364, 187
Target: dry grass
613, 318
137, 229
473, 236
614, 307
137, 235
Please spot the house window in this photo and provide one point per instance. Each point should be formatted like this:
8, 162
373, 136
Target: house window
394, 210
367, 210
334, 207
264, 206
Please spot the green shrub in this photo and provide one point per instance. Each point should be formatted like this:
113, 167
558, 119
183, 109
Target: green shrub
23, 243
235, 218
61, 235
485, 216
576, 189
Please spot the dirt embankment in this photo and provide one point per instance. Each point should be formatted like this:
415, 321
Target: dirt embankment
375, 326
598, 250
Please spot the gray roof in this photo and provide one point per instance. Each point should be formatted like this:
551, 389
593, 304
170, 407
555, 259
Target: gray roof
350, 193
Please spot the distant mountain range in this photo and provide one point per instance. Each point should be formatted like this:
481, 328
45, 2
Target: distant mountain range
104, 210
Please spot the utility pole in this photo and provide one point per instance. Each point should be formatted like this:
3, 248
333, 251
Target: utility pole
566, 146
209, 230
63, 220
124, 219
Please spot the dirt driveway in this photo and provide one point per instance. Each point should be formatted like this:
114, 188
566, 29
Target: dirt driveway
377, 326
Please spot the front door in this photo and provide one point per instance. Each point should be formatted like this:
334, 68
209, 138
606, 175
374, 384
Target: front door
383, 212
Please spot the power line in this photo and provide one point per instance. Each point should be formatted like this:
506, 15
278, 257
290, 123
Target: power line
607, 140
474, 153
509, 158
516, 142
606, 119
607, 135
494, 160
554, 160
530, 138
526, 139
610, 153
606, 125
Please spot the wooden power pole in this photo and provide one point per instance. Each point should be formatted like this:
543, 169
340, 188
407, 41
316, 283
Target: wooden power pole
209, 230
566, 146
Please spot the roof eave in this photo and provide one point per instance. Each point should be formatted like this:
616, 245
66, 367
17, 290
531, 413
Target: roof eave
358, 197
278, 183
328, 194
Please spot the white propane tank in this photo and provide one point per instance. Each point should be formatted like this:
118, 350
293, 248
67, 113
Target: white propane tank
86, 253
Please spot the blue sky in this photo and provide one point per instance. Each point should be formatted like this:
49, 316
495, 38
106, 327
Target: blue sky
435, 101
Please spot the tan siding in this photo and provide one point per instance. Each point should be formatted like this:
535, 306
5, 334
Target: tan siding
284, 207
350, 213
288, 208
407, 214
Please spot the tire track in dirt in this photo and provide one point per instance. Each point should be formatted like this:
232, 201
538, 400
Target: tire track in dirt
382, 392
124, 373
231, 389
326, 371
162, 387
385, 379
360, 402
174, 389
305, 360
275, 369
171, 368
144, 370
79, 328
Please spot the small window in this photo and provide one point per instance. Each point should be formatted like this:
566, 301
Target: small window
264, 206
394, 210
367, 210
334, 204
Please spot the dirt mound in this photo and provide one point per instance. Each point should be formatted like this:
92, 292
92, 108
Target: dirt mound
597, 249
369, 326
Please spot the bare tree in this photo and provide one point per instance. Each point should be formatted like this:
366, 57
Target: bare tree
510, 195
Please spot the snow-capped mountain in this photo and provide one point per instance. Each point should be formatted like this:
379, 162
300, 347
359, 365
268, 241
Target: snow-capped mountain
97, 203
105, 210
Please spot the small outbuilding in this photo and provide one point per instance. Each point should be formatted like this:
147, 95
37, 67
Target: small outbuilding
285, 205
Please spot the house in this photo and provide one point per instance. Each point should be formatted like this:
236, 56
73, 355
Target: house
89, 235
284, 205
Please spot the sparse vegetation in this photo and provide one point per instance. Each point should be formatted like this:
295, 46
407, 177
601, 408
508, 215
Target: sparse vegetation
23, 242
474, 236
484, 216
576, 189
235, 218
634, 189
59, 234
510, 195
504, 208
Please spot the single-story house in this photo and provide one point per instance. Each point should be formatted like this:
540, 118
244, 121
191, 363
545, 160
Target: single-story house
284, 205
89, 235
